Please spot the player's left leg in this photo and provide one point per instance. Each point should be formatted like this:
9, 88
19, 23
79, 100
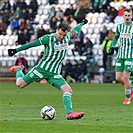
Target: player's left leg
67, 92
127, 85
60, 83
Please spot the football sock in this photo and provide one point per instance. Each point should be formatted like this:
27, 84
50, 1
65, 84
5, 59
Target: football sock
128, 92
67, 102
19, 74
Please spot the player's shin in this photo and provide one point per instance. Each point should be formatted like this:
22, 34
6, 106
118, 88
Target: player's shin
67, 102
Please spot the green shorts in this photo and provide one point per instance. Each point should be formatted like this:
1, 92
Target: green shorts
123, 65
37, 74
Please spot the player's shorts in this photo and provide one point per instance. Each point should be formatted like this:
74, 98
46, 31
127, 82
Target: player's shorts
123, 65
37, 74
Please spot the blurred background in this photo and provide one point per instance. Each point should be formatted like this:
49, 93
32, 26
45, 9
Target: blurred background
87, 60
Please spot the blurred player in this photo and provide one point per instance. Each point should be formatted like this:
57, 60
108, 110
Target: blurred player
124, 32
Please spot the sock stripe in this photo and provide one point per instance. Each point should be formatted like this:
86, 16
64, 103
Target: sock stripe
18, 79
67, 94
127, 91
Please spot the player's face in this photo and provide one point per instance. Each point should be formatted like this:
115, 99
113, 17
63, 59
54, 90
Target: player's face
127, 17
60, 35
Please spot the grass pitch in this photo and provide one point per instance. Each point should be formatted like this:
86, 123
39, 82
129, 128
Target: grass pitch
102, 104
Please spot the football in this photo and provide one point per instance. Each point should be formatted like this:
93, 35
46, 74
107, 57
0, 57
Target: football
47, 112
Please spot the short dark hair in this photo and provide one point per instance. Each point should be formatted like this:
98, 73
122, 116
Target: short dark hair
63, 27
127, 10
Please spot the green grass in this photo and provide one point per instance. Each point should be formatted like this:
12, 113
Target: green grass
102, 103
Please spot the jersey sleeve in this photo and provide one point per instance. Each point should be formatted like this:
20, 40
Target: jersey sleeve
44, 39
117, 33
75, 30
116, 37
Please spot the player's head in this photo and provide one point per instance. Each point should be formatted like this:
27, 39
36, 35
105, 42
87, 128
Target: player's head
127, 15
61, 31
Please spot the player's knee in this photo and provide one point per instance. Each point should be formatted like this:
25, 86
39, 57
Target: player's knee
118, 78
125, 78
19, 85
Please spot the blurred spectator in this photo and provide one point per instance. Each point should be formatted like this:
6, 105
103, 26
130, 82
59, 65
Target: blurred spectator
69, 11
51, 13
105, 49
51, 2
16, 14
3, 28
39, 57
22, 61
33, 5
29, 26
6, 5
22, 5
75, 71
88, 44
103, 33
5, 17
79, 14
108, 12
66, 20
22, 24
53, 23
15, 5
113, 14
100, 5
30, 15
121, 11
67, 69
21, 39
131, 7
59, 13
23, 14
41, 32
26, 36
89, 57
14, 24
79, 43
111, 35
73, 22
119, 18
58, 21
85, 4
83, 71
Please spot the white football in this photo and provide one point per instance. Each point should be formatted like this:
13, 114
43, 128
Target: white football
47, 112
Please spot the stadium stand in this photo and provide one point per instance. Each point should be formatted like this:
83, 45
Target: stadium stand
41, 18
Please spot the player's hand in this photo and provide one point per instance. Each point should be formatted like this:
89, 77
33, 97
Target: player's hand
85, 21
111, 51
11, 52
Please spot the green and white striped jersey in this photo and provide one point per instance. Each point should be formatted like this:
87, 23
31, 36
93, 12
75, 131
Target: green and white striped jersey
54, 52
125, 34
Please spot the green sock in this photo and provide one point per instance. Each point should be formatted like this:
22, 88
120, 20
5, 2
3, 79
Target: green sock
127, 93
67, 102
19, 73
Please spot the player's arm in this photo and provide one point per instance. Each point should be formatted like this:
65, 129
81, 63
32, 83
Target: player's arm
11, 52
114, 42
36, 43
77, 29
